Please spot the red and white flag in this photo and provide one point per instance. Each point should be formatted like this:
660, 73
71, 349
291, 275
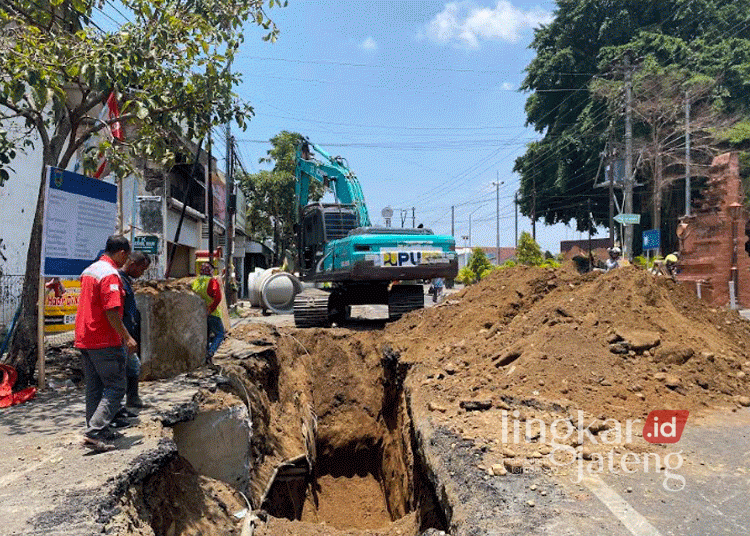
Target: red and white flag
110, 111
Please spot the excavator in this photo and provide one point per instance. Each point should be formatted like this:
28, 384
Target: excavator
361, 263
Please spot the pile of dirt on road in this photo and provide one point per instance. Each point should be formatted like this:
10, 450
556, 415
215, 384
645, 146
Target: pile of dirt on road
155, 286
615, 345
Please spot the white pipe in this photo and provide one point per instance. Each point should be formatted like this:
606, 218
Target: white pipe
273, 290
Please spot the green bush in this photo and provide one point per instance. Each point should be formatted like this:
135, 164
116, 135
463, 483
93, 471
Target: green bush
466, 276
645, 262
528, 251
478, 261
509, 264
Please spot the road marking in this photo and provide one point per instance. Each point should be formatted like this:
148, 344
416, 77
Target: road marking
628, 516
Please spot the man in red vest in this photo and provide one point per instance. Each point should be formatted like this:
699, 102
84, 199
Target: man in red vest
100, 335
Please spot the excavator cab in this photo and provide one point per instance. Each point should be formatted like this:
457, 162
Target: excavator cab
321, 223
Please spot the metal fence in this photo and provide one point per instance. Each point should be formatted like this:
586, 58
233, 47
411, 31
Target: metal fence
11, 288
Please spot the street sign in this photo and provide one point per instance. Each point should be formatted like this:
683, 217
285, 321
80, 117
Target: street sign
652, 239
628, 219
147, 244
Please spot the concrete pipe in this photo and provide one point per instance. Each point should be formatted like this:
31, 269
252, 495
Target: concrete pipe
252, 288
274, 290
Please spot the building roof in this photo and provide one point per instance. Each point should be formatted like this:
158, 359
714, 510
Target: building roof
506, 253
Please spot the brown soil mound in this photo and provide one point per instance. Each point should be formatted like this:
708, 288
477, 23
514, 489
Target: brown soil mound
618, 344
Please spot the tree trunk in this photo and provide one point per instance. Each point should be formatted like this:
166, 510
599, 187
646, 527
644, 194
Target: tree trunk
22, 354
23, 348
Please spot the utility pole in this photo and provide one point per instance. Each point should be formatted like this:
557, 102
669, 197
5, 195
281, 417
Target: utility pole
590, 221
533, 209
687, 154
611, 201
229, 226
210, 203
497, 219
453, 220
515, 201
628, 204
413, 219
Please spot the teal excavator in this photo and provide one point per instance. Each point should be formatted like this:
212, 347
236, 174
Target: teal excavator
363, 264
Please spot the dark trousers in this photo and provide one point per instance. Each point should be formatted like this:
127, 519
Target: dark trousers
104, 369
215, 334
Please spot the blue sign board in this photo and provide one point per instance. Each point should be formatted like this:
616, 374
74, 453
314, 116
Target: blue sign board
79, 216
651, 239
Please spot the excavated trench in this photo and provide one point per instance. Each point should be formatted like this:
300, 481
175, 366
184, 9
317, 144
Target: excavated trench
363, 477
314, 430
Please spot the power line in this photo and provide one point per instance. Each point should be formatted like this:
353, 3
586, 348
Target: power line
398, 67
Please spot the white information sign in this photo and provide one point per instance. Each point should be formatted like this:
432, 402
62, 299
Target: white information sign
79, 216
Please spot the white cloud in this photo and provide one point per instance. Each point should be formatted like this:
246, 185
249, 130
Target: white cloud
369, 44
507, 86
466, 24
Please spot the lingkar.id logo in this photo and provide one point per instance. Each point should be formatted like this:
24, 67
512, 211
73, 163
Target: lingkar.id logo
665, 426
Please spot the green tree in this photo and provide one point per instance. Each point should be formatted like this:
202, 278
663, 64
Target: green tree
586, 41
528, 251
168, 66
272, 207
478, 262
659, 107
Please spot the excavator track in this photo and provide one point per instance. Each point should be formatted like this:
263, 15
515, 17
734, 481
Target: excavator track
403, 299
311, 310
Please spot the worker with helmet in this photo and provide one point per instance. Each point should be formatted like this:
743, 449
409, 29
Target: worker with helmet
670, 262
614, 258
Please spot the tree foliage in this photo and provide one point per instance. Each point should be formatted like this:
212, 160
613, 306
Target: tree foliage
168, 66
271, 209
586, 41
528, 251
659, 98
478, 267
478, 262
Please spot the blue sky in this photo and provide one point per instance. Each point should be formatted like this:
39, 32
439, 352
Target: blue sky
420, 97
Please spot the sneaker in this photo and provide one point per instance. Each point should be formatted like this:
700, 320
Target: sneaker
136, 403
126, 413
110, 435
119, 422
98, 444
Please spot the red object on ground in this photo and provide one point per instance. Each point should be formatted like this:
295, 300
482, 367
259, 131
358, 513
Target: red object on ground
7, 396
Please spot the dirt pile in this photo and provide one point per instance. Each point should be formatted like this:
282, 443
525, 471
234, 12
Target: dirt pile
617, 344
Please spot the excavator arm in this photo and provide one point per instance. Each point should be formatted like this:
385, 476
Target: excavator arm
331, 171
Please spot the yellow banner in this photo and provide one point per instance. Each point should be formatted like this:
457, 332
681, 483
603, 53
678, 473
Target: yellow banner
60, 313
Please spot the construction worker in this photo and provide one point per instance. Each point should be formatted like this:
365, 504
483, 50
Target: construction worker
614, 258
208, 288
437, 288
670, 262
137, 263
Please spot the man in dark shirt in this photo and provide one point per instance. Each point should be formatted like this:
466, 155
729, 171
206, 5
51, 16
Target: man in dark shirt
137, 263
